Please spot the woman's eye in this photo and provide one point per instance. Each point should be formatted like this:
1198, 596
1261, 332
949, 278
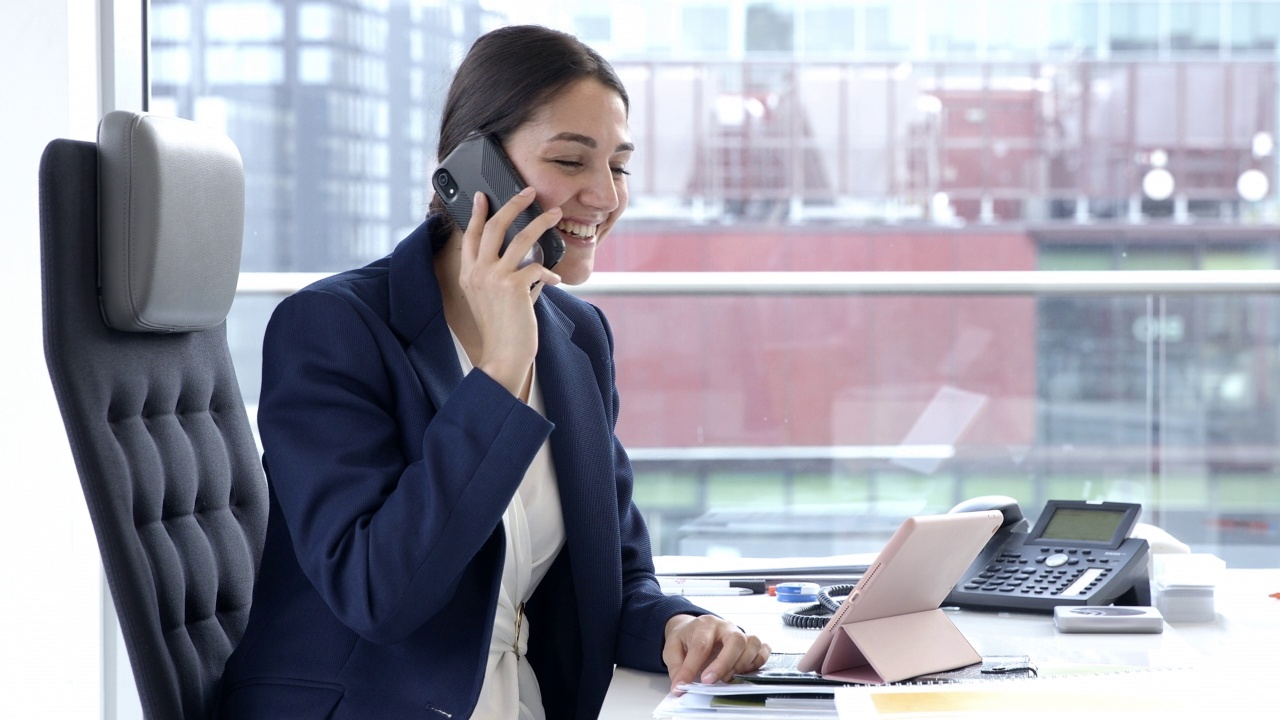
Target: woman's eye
578, 165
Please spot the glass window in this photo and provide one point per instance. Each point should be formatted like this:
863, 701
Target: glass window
704, 29
244, 21
770, 28
315, 66
171, 65
1070, 27
315, 21
1239, 257
890, 28
244, 65
594, 28
828, 30
170, 23
1255, 26
1135, 27
1195, 26
1014, 28
954, 29
874, 136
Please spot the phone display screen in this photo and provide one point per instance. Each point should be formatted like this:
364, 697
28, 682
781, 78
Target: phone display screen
1083, 525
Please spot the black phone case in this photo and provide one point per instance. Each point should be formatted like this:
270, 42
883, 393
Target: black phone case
478, 164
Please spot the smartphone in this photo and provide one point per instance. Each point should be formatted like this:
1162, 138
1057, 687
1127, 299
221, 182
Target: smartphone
478, 164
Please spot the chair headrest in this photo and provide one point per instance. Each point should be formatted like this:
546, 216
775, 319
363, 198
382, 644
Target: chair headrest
170, 223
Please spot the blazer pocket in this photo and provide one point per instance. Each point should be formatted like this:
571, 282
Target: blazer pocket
281, 700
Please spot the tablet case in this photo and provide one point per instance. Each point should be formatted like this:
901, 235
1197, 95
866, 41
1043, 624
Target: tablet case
891, 627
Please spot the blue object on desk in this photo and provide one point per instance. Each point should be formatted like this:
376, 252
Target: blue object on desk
797, 592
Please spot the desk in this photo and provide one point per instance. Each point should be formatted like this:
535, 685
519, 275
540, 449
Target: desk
1246, 632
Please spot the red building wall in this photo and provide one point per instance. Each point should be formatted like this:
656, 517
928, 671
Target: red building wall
788, 370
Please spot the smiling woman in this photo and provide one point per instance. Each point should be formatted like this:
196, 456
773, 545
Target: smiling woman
581, 170
452, 524
760, 417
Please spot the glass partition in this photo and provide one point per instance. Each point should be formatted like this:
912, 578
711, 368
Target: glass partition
774, 421
1058, 139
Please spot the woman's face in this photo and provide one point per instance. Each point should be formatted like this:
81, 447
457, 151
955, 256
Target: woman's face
574, 152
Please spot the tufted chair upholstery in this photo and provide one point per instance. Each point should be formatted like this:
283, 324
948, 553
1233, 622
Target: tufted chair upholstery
140, 252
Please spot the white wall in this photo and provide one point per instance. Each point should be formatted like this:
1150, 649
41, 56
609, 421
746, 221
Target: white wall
49, 569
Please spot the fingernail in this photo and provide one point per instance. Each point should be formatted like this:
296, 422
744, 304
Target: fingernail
527, 191
709, 677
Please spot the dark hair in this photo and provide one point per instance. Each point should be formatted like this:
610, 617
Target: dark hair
508, 75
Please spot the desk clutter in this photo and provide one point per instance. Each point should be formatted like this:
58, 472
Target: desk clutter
1184, 585
1222, 668
1047, 590
781, 689
1103, 692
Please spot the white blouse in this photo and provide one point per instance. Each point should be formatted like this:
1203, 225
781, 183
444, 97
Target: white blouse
534, 527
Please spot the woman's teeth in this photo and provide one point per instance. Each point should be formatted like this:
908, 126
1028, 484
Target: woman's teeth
577, 230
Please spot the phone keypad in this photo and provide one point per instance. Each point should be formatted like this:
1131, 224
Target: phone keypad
1051, 571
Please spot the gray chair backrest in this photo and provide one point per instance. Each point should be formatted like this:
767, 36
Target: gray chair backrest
140, 251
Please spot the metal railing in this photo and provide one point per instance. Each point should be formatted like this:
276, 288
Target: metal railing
998, 282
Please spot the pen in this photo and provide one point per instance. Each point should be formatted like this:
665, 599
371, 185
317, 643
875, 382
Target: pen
692, 582
705, 591
755, 585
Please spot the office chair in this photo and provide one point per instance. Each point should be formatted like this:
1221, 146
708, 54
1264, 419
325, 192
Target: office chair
140, 255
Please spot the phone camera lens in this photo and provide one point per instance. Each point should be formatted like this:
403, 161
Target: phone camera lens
445, 184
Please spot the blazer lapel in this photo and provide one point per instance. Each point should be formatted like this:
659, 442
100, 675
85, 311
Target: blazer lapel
417, 316
582, 445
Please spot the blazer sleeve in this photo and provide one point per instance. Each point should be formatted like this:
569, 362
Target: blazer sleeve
384, 514
645, 610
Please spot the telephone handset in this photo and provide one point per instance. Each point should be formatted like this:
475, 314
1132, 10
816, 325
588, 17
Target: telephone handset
1078, 553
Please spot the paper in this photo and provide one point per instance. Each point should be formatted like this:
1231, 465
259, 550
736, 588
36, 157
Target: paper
740, 701
1131, 695
743, 688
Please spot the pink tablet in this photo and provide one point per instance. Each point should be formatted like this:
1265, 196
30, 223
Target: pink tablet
890, 627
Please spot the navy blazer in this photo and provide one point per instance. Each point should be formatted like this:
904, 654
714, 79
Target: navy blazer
389, 473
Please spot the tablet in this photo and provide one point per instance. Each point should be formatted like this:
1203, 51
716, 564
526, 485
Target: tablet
891, 623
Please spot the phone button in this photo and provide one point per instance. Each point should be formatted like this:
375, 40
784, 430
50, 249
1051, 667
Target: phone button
1056, 560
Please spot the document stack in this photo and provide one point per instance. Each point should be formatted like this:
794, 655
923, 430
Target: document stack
725, 701
780, 690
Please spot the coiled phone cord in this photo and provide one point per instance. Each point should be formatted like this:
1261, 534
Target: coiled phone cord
815, 617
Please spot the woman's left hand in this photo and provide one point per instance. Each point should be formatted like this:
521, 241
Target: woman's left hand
707, 649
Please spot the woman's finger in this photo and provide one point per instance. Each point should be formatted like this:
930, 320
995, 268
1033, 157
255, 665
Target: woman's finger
475, 227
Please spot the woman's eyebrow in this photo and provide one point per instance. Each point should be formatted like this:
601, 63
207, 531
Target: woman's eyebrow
589, 141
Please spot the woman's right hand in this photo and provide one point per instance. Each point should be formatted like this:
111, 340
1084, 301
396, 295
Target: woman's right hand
500, 293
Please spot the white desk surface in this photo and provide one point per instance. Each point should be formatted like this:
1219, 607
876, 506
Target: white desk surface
1246, 633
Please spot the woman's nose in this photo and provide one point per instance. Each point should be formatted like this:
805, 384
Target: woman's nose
600, 191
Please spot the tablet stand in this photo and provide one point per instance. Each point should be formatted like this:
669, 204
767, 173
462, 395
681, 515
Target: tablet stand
890, 649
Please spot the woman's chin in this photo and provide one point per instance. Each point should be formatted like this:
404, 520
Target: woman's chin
574, 269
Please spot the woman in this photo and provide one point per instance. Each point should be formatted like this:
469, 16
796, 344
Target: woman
451, 530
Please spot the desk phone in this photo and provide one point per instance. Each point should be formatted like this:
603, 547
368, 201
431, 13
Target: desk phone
1078, 553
